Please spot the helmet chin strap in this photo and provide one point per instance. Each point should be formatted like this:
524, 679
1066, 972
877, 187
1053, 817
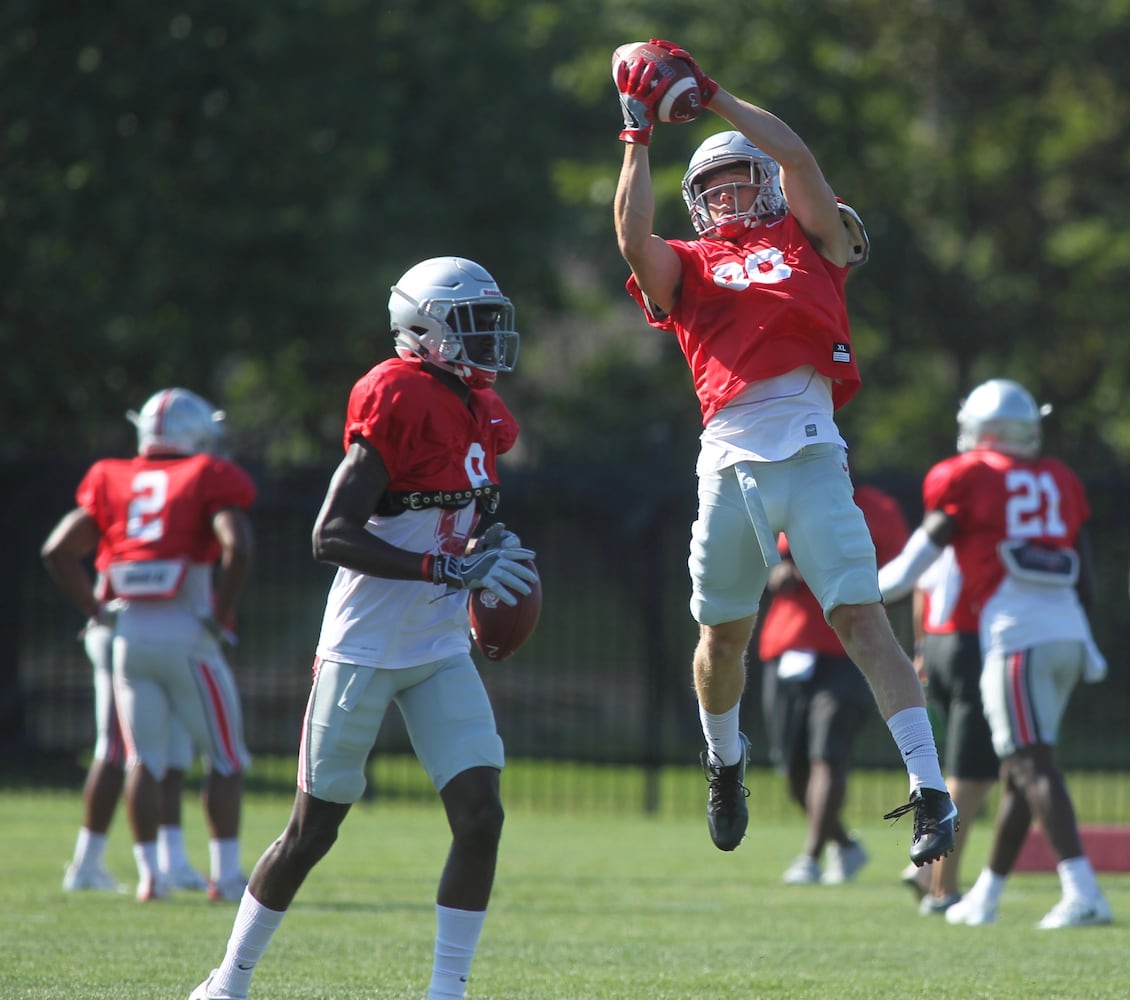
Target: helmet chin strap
732, 228
478, 378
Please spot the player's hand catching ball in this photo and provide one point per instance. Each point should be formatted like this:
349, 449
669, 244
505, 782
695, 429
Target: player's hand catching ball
707, 88
640, 85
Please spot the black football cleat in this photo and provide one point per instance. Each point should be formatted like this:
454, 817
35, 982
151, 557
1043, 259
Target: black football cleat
726, 812
935, 823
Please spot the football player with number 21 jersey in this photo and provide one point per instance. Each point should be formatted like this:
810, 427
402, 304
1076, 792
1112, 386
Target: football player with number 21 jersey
1016, 520
158, 525
423, 432
758, 306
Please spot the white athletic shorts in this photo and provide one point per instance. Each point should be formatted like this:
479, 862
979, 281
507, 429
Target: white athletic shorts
444, 705
743, 508
1025, 692
108, 743
170, 667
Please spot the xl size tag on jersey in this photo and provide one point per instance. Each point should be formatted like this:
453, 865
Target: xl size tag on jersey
841, 352
149, 578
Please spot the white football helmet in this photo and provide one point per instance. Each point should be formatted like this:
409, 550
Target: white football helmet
450, 312
1001, 415
723, 150
177, 422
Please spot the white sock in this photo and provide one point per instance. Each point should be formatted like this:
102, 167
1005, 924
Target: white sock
989, 886
90, 849
915, 740
170, 848
1077, 877
223, 858
457, 937
252, 931
721, 732
145, 855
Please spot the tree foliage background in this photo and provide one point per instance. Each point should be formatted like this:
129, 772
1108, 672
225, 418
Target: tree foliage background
219, 195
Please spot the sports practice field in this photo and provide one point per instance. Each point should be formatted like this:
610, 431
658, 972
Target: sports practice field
605, 906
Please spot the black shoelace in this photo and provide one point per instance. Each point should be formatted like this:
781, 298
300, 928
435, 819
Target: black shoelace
723, 784
922, 822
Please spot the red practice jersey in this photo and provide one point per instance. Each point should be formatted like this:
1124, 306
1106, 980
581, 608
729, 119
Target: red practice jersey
758, 308
795, 619
161, 508
427, 436
430, 440
995, 497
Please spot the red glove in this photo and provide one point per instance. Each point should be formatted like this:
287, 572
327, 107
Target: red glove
707, 87
641, 86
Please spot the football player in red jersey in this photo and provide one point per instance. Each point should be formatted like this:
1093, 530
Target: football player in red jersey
1017, 522
816, 701
160, 523
423, 432
758, 307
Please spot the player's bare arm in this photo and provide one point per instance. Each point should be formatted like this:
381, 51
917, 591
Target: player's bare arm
340, 536
811, 199
73, 539
233, 531
656, 266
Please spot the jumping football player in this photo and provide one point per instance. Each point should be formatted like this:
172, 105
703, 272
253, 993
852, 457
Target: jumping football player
758, 307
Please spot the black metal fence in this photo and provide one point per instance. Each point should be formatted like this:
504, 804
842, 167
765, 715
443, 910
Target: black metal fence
605, 679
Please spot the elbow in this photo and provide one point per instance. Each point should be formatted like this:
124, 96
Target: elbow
321, 543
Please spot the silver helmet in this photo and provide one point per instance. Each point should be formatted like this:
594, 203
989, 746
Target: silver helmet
177, 422
723, 150
451, 313
1001, 415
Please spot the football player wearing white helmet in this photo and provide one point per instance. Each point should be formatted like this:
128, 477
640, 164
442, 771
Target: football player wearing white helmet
758, 306
1001, 415
450, 312
177, 422
423, 433
1016, 521
172, 542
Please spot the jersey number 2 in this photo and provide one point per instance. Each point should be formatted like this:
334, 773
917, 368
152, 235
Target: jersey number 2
150, 493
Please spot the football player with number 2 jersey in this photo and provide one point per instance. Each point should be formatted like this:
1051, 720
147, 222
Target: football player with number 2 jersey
758, 307
423, 432
1017, 524
159, 524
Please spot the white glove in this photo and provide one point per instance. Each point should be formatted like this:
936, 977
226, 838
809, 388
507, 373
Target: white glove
501, 570
496, 537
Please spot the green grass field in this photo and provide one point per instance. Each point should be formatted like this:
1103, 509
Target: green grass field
602, 906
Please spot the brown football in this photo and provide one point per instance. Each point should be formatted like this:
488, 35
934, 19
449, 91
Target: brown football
498, 629
683, 101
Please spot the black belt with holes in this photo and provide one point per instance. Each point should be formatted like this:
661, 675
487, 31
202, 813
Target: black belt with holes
392, 503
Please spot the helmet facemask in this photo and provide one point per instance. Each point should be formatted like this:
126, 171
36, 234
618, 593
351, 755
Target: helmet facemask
718, 153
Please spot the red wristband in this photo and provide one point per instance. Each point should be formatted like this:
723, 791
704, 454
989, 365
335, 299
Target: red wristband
637, 136
427, 567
